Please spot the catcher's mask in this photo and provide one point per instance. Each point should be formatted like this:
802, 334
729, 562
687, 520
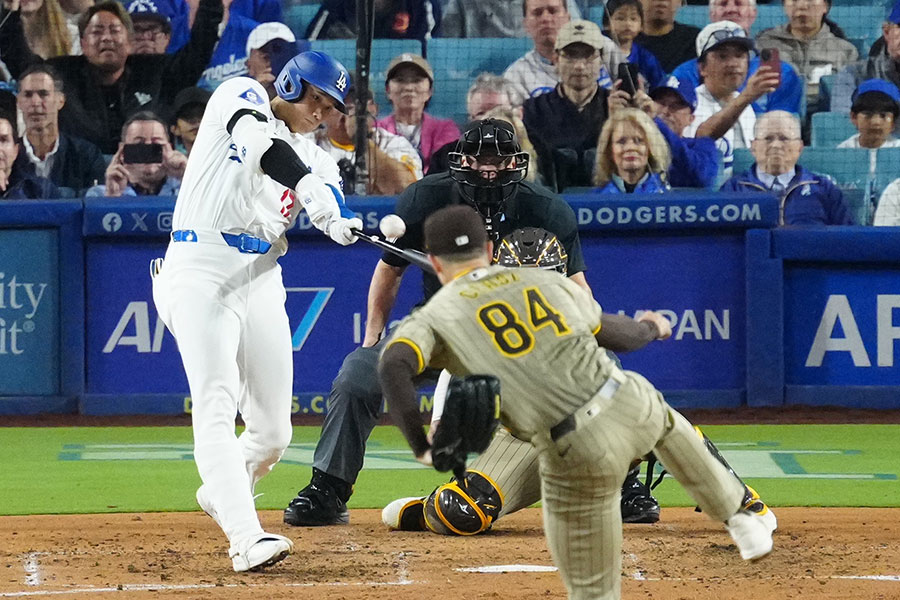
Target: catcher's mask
488, 161
531, 247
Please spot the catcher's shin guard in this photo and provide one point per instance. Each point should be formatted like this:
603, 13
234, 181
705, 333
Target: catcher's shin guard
752, 501
463, 507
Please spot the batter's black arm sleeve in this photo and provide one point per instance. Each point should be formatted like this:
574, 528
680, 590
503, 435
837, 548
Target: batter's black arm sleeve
396, 369
282, 164
623, 334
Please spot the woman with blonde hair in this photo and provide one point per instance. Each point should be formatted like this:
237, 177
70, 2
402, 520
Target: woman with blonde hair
632, 155
46, 28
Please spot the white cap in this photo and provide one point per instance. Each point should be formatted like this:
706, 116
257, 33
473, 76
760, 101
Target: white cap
722, 32
264, 33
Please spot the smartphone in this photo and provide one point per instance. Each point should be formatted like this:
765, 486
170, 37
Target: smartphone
770, 57
142, 154
628, 75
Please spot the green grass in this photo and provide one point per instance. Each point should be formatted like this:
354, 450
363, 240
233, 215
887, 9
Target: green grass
74, 470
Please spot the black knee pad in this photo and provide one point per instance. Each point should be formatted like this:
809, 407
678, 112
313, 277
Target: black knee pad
463, 507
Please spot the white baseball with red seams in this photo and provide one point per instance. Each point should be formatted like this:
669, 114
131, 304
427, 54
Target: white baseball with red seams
392, 227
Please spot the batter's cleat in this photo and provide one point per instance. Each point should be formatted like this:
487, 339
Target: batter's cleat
752, 533
638, 505
206, 504
260, 551
405, 514
317, 504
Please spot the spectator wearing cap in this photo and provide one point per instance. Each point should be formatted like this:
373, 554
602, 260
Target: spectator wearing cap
145, 164
154, 23
71, 163
809, 43
393, 19
391, 160
270, 47
632, 155
410, 85
723, 113
887, 214
876, 104
805, 198
695, 161
624, 19
106, 85
18, 180
789, 93
188, 109
564, 124
535, 73
46, 29
487, 18
671, 42
883, 65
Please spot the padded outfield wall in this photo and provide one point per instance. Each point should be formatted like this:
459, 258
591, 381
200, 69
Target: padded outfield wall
762, 316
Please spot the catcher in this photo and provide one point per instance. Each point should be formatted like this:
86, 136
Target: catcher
504, 479
543, 337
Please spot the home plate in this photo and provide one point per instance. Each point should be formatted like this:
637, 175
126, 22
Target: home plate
508, 569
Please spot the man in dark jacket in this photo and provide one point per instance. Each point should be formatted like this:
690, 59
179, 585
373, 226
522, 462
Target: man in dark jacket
107, 83
18, 182
68, 161
805, 198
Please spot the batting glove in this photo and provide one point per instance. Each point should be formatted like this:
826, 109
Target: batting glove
341, 229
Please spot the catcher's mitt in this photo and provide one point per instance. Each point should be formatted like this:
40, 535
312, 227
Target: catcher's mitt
470, 417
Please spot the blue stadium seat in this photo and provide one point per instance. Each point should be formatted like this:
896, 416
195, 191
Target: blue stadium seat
456, 63
849, 167
826, 84
742, 160
860, 23
298, 17
382, 53
830, 129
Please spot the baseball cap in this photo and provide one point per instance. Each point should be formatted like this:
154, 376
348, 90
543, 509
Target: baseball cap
722, 32
580, 31
160, 11
454, 230
410, 59
894, 16
264, 33
188, 97
682, 87
877, 85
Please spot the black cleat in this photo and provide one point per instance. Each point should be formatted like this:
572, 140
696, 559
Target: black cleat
638, 505
317, 504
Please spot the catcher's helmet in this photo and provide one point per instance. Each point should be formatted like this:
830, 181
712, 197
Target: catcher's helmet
486, 163
315, 68
531, 247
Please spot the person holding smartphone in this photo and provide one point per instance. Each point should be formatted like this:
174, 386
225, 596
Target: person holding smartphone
145, 164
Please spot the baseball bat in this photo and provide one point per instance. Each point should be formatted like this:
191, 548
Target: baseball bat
414, 256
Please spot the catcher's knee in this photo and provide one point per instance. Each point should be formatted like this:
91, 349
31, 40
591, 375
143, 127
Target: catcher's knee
464, 508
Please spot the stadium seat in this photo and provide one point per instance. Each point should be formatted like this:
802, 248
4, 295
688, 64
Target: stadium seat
382, 53
456, 63
826, 85
830, 129
849, 167
862, 24
299, 16
743, 159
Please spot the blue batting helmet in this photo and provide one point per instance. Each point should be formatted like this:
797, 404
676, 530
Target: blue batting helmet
314, 68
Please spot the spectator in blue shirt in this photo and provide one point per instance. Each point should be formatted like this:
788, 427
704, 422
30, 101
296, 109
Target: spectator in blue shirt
624, 20
632, 155
804, 197
159, 25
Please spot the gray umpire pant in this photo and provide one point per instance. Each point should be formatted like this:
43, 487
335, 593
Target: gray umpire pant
354, 408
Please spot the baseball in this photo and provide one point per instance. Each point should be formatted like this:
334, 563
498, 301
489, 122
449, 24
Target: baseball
392, 227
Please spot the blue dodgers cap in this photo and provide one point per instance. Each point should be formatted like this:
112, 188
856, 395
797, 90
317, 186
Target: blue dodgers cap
894, 16
162, 11
877, 85
682, 87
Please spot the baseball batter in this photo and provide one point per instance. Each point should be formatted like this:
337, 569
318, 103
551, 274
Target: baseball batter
220, 290
544, 337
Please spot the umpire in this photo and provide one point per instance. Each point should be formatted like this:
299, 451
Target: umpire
487, 171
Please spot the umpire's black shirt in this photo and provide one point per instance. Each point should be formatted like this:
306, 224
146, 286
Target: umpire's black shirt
532, 206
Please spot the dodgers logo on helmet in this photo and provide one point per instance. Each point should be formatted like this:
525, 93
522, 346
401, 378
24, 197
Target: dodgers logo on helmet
341, 83
313, 68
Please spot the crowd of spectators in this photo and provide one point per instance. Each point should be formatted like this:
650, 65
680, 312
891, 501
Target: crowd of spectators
110, 95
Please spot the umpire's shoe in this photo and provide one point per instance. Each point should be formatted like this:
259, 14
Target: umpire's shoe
638, 505
322, 502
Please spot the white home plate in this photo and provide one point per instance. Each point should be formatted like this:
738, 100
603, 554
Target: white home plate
509, 569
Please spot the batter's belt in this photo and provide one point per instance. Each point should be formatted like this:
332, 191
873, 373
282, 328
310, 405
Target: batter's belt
594, 406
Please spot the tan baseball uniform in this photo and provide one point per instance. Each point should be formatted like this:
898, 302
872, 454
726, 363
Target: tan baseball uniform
586, 418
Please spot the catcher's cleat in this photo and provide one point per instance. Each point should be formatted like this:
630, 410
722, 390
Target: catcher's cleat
638, 505
405, 514
317, 504
752, 533
259, 551
206, 504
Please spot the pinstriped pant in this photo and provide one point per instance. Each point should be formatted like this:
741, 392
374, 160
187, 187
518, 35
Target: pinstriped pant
582, 474
513, 467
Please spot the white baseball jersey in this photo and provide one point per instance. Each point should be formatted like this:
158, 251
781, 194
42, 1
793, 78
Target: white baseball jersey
224, 189
738, 136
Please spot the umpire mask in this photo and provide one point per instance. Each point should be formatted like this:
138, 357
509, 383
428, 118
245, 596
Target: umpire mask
488, 164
